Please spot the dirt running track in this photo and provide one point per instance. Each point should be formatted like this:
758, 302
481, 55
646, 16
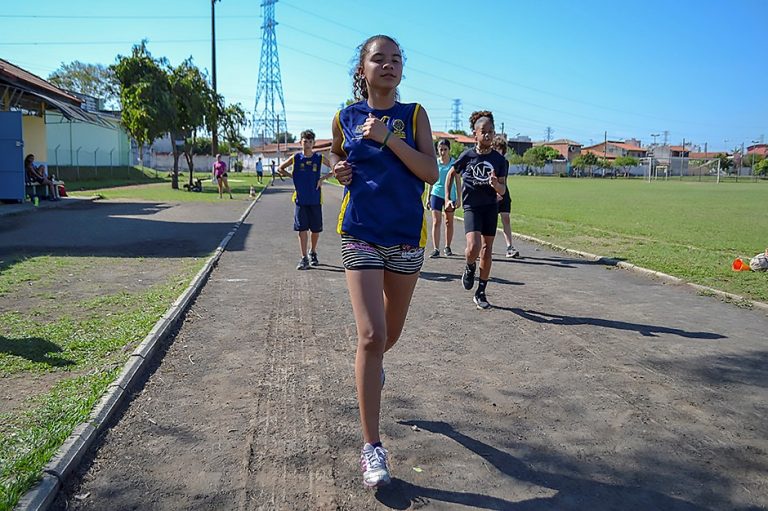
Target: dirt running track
585, 388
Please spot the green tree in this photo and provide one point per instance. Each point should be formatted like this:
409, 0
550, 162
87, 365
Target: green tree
539, 155
283, 137
458, 132
584, 162
233, 119
725, 162
94, 80
145, 93
457, 149
191, 101
760, 168
624, 162
514, 158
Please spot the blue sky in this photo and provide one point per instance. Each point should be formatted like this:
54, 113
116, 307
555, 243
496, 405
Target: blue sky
697, 69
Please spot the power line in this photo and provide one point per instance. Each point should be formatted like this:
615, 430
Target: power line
158, 41
120, 18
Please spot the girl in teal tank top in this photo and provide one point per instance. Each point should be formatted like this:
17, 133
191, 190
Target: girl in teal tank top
436, 201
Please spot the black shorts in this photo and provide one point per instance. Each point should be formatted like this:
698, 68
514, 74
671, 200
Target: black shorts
482, 219
308, 218
505, 204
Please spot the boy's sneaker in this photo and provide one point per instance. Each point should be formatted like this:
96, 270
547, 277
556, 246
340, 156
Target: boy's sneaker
468, 278
313, 259
373, 462
480, 301
448, 252
435, 253
303, 264
512, 252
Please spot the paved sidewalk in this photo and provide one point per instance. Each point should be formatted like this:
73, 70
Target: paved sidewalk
585, 387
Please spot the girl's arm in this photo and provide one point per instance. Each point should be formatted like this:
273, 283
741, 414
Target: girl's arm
342, 170
422, 161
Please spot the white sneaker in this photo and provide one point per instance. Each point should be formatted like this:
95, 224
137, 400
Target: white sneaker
373, 462
512, 252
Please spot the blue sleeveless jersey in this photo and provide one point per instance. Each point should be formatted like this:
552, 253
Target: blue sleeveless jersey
306, 174
383, 203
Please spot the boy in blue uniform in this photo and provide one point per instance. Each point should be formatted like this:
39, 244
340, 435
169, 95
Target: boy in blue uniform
307, 178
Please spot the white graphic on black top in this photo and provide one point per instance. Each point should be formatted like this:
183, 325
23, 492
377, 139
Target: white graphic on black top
480, 172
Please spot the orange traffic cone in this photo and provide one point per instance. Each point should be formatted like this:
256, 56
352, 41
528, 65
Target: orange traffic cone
739, 265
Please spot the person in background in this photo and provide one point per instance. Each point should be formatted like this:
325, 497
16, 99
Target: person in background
220, 174
36, 174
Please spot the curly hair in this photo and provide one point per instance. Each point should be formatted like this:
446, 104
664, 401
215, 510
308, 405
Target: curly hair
476, 116
359, 86
500, 144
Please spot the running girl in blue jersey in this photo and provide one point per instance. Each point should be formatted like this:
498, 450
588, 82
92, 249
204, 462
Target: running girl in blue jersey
383, 154
483, 173
307, 177
436, 201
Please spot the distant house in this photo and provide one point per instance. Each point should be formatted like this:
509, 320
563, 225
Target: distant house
613, 149
568, 149
759, 149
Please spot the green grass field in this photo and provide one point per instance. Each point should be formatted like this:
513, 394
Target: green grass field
688, 229
71, 346
160, 189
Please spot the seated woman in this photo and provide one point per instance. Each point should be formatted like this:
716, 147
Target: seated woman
36, 175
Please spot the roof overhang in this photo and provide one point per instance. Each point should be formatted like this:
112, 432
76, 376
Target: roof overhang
26, 98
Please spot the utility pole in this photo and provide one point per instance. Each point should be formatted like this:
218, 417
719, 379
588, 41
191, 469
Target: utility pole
682, 160
502, 128
666, 137
456, 114
214, 120
605, 146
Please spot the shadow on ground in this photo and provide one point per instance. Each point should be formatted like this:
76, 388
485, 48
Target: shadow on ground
572, 492
34, 349
643, 329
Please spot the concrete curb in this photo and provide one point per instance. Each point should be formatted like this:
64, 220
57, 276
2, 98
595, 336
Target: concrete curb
67, 458
669, 279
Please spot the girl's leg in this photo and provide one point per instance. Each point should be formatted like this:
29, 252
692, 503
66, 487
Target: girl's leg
472, 252
366, 292
219, 182
507, 227
486, 257
226, 186
448, 228
398, 290
436, 224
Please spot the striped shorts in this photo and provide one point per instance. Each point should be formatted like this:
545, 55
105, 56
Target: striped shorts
357, 254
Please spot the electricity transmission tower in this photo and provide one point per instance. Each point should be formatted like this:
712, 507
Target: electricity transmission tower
548, 133
268, 118
456, 115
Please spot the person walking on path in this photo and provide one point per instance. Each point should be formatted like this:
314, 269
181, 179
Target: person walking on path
505, 201
383, 155
481, 172
436, 201
220, 175
307, 178
259, 170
